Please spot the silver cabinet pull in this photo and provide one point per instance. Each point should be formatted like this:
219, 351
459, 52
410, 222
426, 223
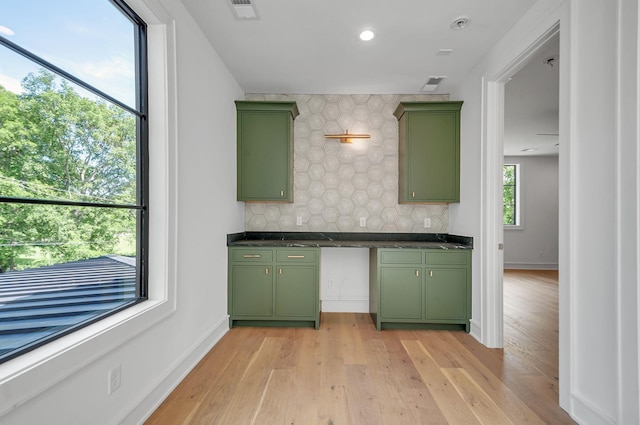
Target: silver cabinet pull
280, 271
430, 273
266, 270
282, 193
295, 256
252, 256
417, 273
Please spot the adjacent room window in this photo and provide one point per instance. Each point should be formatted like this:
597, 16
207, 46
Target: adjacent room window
73, 167
511, 194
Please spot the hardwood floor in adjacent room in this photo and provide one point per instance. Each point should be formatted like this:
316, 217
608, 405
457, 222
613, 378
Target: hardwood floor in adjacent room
347, 373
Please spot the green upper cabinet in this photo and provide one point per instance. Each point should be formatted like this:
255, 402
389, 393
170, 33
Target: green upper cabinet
265, 150
429, 152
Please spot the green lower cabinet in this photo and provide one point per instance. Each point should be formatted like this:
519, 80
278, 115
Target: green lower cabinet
295, 292
252, 291
409, 290
446, 294
400, 293
274, 287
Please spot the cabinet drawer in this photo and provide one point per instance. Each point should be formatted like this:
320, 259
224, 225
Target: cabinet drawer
446, 257
252, 255
298, 255
401, 256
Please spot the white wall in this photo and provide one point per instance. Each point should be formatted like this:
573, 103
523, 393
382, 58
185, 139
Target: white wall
603, 286
344, 280
534, 243
599, 201
193, 146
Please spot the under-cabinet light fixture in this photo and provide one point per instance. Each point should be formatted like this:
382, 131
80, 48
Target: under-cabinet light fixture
346, 136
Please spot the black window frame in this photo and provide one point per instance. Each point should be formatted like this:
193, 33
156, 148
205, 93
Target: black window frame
140, 111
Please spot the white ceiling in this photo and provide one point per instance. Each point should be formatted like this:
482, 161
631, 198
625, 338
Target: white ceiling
312, 47
531, 105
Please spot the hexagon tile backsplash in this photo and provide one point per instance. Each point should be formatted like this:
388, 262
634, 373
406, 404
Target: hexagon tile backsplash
338, 187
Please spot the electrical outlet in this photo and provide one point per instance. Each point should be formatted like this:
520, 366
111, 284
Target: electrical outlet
114, 379
299, 221
427, 223
363, 221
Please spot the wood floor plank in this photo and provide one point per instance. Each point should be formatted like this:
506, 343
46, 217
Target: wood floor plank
303, 406
272, 407
364, 405
404, 401
469, 354
352, 349
348, 373
485, 409
333, 406
450, 402
245, 399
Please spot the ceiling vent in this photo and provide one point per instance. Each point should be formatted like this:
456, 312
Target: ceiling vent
432, 83
243, 10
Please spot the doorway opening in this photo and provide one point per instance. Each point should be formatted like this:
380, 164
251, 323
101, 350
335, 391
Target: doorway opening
492, 227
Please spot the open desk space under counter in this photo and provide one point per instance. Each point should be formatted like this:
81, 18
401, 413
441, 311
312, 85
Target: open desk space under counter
415, 280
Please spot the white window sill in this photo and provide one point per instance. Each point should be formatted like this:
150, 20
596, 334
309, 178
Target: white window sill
20, 378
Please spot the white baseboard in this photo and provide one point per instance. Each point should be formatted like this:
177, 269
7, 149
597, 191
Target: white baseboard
145, 405
583, 411
476, 330
345, 306
531, 266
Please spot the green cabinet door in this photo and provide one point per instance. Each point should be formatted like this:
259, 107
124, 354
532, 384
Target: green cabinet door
446, 296
265, 150
252, 290
400, 293
296, 292
429, 152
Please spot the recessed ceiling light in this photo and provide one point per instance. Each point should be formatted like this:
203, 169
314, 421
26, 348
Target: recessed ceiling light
366, 35
460, 22
444, 52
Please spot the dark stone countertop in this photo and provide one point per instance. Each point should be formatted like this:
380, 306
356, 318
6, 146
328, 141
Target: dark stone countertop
351, 239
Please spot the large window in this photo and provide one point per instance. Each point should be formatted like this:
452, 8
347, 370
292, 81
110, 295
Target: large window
73, 167
511, 195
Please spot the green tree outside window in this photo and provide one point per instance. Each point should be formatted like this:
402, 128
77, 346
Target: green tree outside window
510, 194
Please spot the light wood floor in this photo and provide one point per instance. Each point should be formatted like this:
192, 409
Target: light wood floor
347, 373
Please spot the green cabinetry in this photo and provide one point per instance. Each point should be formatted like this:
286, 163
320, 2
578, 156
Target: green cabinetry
420, 288
429, 152
274, 286
265, 150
